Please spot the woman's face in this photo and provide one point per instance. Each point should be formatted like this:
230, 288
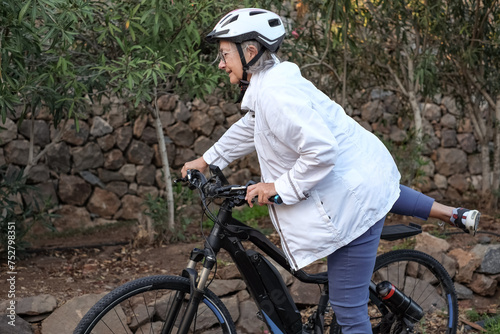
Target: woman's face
230, 61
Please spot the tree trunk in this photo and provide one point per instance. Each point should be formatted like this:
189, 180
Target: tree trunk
166, 166
496, 162
32, 161
417, 115
485, 169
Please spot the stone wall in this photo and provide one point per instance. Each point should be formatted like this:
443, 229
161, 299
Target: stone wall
103, 172
476, 275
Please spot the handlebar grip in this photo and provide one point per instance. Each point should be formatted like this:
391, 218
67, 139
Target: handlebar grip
276, 199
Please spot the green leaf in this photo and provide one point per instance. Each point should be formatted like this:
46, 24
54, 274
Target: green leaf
136, 8
23, 11
130, 81
155, 79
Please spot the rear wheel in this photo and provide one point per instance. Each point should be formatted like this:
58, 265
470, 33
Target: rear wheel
423, 279
155, 305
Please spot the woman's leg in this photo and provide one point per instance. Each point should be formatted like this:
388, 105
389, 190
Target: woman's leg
415, 204
350, 270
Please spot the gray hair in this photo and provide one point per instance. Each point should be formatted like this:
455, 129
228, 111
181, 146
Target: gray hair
265, 62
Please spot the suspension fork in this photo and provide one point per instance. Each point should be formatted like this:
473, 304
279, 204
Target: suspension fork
197, 291
197, 282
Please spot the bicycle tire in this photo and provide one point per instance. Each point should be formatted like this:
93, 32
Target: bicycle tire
424, 280
141, 306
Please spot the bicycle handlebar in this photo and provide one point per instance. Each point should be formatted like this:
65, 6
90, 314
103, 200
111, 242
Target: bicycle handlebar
217, 186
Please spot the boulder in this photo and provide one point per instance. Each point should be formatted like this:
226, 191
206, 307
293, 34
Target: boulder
128, 171
225, 287
40, 130
449, 121
88, 157
139, 125
467, 264
17, 152
182, 113
467, 142
114, 159
103, 203
73, 190
36, 305
120, 188
167, 102
9, 131
71, 217
448, 138
372, 111
483, 285
451, 161
38, 173
58, 158
167, 118
123, 136
139, 153
149, 136
202, 123
489, 255
202, 144
431, 111
74, 136
14, 324
106, 142
132, 207
117, 116
41, 194
146, 175
65, 318
181, 134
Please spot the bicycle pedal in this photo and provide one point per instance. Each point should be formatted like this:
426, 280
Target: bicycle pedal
259, 316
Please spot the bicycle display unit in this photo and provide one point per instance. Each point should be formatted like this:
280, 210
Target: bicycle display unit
410, 291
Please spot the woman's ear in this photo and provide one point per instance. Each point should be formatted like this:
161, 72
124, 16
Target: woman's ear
251, 52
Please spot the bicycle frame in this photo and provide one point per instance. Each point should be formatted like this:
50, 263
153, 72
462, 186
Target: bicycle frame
276, 307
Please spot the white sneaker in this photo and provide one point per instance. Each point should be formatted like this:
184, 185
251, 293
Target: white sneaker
466, 219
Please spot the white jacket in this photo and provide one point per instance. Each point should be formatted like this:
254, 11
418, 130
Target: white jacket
336, 179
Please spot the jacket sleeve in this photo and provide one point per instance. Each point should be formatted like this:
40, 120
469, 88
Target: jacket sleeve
236, 142
302, 130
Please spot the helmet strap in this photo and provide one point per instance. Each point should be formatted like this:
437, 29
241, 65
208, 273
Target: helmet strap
244, 80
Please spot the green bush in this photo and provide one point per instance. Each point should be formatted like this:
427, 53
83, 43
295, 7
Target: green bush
14, 213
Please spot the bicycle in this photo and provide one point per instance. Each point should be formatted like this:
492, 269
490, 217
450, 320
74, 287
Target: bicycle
410, 291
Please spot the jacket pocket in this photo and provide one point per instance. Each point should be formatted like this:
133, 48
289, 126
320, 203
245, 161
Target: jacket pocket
325, 217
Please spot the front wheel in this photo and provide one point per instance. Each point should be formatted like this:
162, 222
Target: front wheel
423, 279
156, 305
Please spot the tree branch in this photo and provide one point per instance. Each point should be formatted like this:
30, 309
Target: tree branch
398, 81
475, 81
320, 62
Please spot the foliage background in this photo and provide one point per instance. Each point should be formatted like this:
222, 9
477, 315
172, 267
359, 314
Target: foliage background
64, 55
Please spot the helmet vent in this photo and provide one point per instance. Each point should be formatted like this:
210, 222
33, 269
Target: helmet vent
234, 18
255, 12
274, 22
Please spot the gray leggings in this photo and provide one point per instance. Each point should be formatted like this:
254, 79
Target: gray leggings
350, 268
412, 203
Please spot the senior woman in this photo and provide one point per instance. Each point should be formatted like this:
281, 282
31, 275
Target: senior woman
336, 179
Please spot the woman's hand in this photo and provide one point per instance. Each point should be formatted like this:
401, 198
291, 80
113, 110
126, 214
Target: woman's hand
199, 164
262, 191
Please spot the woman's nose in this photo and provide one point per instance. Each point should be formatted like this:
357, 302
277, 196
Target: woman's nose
222, 64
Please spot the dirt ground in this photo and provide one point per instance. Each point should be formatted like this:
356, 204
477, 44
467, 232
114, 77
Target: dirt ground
77, 265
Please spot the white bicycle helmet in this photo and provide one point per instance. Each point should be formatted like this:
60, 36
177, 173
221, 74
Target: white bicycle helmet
246, 24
